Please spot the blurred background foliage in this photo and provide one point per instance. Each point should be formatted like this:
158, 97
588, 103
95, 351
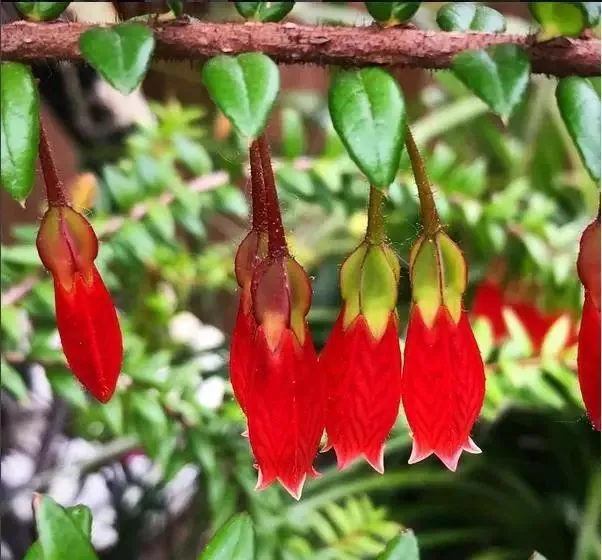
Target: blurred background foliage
171, 211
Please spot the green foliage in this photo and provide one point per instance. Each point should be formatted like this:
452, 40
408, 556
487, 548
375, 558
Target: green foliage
264, 11
368, 112
20, 130
470, 16
294, 140
392, 13
122, 53
244, 88
63, 533
234, 540
402, 547
579, 106
564, 18
41, 11
176, 7
499, 75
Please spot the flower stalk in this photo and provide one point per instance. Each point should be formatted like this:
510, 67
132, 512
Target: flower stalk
375, 231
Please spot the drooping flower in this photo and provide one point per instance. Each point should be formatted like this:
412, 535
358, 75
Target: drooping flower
361, 362
285, 398
443, 381
86, 317
588, 357
251, 251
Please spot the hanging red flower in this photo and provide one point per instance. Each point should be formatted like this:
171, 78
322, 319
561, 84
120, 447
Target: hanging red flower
361, 362
86, 317
443, 382
588, 357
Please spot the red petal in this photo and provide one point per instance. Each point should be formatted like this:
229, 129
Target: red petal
588, 359
489, 302
90, 333
443, 386
588, 261
241, 352
285, 411
363, 388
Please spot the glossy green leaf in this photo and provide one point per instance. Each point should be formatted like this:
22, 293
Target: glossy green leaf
499, 75
470, 16
19, 129
293, 134
244, 88
564, 18
368, 112
121, 53
60, 533
579, 106
264, 11
235, 539
392, 13
402, 547
41, 11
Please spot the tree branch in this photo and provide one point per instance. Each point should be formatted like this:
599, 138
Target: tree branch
289, 43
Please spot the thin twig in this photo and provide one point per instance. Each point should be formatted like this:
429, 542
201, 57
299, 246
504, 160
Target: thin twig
289, 43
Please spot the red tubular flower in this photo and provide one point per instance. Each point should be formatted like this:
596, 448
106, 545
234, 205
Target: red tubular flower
361, 362
443, 381
285, 399
86, 317
489, 303
588, 357
251, 252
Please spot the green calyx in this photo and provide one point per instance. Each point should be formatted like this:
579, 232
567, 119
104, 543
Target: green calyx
438, 276
369, 281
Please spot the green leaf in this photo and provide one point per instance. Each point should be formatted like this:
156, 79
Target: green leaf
264, 11
244, 88
12, 381
402, 547
563, 18
233, 540
579, 106
293, 134
19, 129
392, 13
499, 75
41, 11
121, 53
469, 16
194, 155
368, 112
60, 534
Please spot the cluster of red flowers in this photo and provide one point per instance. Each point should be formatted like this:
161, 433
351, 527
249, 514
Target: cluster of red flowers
354, 389
85, 315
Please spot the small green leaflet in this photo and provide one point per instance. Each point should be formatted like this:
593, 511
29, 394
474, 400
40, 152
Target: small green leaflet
264, 11
368, 112
19, 129
470, 16
244, 88
564, 18
392, 13
41, 11
579, 105
121, 53
293, 134
235, 539
402, 547
499, 75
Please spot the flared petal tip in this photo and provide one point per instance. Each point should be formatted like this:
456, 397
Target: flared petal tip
293, 487
450, 460
376, 459
245, 433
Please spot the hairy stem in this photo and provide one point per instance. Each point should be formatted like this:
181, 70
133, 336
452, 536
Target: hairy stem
375, 232
54, 188
430, 217
259, 217
276, 240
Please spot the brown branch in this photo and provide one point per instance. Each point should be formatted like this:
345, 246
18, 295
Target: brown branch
290, 43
